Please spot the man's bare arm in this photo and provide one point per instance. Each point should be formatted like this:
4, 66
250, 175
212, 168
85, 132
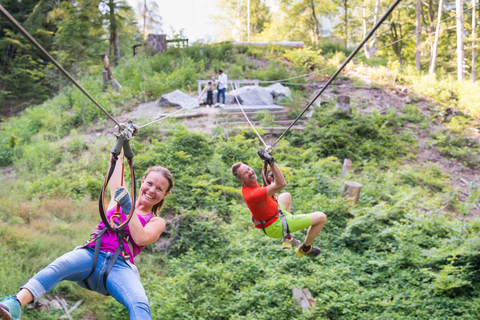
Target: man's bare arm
279, 181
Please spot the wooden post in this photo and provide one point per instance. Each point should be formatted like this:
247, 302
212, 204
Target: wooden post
303, 298
352, 190
343, 104
105, 77
347, 164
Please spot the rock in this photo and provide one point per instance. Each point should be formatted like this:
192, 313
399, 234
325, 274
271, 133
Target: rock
278, 90
178, 99
253, 96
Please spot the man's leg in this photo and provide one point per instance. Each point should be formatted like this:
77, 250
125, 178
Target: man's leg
318, 221
223, 95
286, 200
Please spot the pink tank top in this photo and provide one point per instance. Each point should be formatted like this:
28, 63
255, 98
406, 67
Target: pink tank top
110, 239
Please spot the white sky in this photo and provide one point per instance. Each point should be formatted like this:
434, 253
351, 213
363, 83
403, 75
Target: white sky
194, 16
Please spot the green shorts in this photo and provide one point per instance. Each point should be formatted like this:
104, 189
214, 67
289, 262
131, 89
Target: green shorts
295, 223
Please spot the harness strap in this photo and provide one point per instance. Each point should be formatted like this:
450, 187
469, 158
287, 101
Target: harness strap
98, 241
114, 258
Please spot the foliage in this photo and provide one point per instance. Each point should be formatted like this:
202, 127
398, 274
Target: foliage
399, 254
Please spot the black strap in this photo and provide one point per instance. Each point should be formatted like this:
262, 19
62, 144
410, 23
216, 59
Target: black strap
119, 249
98, 241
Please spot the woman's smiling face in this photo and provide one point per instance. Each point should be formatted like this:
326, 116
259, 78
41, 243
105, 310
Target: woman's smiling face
153, 189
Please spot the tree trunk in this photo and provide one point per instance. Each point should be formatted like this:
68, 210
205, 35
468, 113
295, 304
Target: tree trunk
460, 49
316, 31
397, 46
433, 60
345, 21
369, 48
474, 54
114, 49
144, 18
418, 10
365, 47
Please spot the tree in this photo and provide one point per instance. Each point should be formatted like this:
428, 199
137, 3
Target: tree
80, 35
418, 10
433, 59
114, 14
370, 47
315, 31
474, 56
234, 18
149, 15
297, 20
460, 49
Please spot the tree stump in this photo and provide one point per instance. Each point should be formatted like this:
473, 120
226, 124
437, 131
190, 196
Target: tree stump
343, 104
347, 164
158, 42
303, 298
352, 190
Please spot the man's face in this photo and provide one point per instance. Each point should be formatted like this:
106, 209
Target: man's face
246, 175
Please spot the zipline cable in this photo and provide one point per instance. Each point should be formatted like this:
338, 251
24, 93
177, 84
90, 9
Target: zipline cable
240, 105
36, 44
378, 49
342, 66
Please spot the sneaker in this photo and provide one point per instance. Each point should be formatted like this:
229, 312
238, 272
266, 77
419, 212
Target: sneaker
290, 243
312, 253
222, 105
10, 309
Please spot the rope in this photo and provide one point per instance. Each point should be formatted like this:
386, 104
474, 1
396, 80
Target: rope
258, 135
342, 66
36, 44
173, 113
378, 49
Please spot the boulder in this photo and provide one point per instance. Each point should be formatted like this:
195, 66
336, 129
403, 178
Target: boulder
253, 96
178, 99
278, 90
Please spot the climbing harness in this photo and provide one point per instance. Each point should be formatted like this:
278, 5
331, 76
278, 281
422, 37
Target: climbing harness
279, 214
115, 224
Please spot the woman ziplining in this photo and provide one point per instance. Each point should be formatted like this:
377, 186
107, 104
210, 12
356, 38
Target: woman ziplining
105, 263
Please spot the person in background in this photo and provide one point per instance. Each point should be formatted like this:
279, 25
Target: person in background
221, 87
209, 95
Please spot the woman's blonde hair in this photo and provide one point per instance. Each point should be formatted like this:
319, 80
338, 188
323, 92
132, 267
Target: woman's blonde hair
167, 175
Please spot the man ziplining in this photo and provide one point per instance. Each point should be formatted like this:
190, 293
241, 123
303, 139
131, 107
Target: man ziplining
266, 208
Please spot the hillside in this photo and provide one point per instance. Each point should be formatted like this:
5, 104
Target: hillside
408, 250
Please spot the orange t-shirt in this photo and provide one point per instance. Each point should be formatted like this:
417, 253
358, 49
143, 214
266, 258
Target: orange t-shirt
261, 206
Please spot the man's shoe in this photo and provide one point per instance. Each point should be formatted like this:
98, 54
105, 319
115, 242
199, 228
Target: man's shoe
216, 105
10, 309
222, 105
290, 243
312, 253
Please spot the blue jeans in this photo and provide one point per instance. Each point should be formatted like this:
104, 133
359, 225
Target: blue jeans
122, 283
221, 91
